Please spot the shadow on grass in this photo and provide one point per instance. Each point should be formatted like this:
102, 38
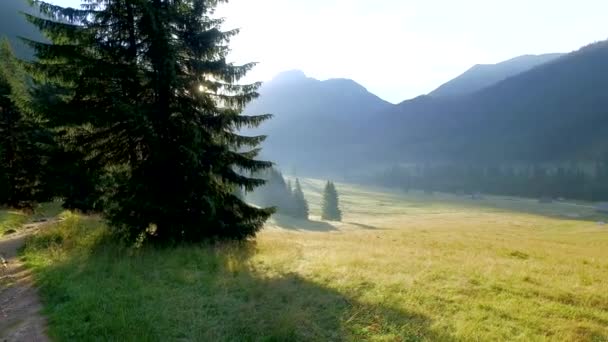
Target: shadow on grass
363, 226
554, 210
216, 292
562, 210
291, 223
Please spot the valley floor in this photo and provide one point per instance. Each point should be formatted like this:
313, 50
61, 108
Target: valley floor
400, 267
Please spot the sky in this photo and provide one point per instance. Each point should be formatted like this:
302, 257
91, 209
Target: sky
399, 49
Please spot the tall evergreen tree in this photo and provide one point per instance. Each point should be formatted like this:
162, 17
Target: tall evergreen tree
300, 203
24, 141
281, 195
146, 89
289, 186
273, 193
330, 208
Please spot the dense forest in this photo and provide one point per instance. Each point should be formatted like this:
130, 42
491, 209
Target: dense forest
588, 182
130, 109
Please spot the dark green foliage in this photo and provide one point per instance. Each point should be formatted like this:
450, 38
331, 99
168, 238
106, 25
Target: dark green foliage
572, 181
330, 209
78, 182
146, 90
24, 141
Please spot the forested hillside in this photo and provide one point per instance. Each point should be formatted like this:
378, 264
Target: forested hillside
13, 25
131, 110
540, 133
554, 112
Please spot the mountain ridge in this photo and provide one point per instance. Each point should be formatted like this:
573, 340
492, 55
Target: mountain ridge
481, 76
525, 116
313, 120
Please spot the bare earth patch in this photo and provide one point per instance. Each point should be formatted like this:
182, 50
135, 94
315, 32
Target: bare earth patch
20, 318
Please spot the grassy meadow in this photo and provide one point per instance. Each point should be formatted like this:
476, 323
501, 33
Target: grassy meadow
400, 267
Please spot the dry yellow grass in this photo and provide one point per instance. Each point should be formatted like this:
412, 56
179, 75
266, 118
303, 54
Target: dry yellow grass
400, 267
479, 270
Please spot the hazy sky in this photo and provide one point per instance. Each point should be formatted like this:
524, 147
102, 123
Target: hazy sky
399, 49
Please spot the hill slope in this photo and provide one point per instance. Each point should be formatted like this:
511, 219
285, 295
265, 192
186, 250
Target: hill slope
484, 75
556, 111
315, 121
13, 24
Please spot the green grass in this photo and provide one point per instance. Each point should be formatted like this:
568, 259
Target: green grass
12, 220
401, 267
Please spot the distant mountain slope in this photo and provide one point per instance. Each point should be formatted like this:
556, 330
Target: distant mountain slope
13, 24
314, 121
484, 75
556, 111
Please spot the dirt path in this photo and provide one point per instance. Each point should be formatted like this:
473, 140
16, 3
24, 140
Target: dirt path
20, 318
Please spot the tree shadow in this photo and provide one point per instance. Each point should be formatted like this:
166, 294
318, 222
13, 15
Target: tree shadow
363, 226
10, 245
555, 210
210, 293
290, 223
562, 210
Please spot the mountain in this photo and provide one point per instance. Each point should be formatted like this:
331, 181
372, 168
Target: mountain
314, 121
484, 75
13, 24
556, 111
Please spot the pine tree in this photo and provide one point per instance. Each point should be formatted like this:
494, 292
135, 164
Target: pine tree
330, 207
289, 186
24, 141
77, 181
288, 204
300, 203
146, 90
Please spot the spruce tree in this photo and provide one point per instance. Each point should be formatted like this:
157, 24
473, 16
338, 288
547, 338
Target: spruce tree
289, 205
289, 186
24, 141
330, 208
300, 203
146, 90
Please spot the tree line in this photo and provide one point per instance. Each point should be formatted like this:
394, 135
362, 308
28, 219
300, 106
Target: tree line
280, 194
289, 200
131, 109
535, 181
